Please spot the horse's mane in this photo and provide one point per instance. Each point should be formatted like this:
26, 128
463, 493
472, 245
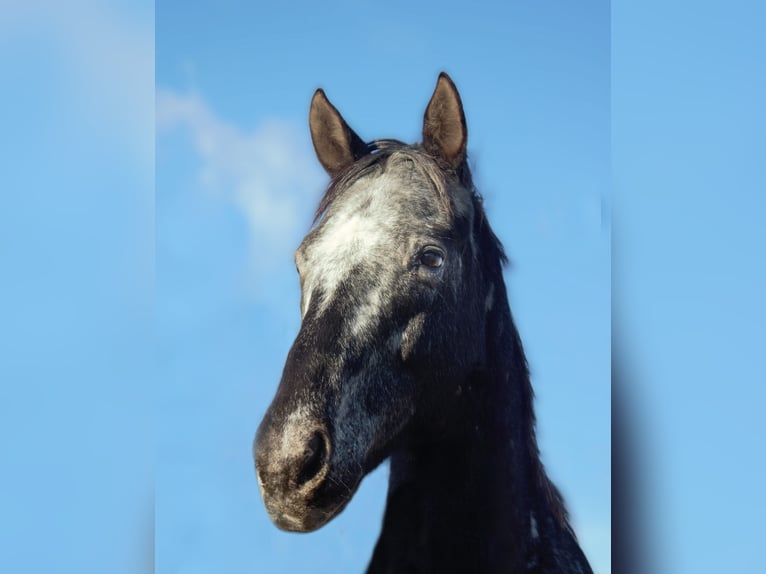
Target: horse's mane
379, 152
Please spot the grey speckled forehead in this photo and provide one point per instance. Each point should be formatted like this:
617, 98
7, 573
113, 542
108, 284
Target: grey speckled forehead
421, 177
396, 193
392, 202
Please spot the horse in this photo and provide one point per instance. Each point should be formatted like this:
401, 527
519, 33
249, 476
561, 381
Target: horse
408, 351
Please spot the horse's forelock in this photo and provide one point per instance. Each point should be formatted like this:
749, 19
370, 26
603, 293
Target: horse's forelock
388, 151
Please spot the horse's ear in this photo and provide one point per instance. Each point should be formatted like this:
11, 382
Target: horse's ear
336, 144
444, 131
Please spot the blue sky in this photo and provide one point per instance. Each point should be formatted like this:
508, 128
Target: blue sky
142, 331
237, 183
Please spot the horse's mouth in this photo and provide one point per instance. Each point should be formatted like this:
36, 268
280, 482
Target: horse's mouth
306, 520
296, 514
296, 510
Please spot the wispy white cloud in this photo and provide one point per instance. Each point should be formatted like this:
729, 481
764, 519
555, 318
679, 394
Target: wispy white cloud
269, 172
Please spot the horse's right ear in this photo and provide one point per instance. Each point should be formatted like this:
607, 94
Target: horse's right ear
336, 144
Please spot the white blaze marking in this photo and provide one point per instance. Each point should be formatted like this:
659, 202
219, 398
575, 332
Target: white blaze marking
260, 485
306, 301
290, 519
352, 234
367, 313
411, 335
490, 300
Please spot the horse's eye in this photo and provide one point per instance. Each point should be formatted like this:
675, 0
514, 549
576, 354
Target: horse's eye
431, 258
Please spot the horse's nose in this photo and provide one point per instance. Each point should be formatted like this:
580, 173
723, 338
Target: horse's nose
312, 461
292, 462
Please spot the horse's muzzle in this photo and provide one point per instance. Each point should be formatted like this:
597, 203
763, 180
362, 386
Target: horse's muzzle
292, 464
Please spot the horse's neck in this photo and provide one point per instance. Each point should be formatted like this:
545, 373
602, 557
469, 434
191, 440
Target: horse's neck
477, 499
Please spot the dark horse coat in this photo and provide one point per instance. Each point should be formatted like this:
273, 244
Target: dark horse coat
408, 350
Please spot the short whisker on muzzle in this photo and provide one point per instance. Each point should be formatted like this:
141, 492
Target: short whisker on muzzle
339, 482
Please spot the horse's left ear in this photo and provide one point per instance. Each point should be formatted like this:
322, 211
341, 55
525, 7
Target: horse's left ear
444, 131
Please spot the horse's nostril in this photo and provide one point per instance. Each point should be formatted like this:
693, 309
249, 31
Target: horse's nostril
314, 458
